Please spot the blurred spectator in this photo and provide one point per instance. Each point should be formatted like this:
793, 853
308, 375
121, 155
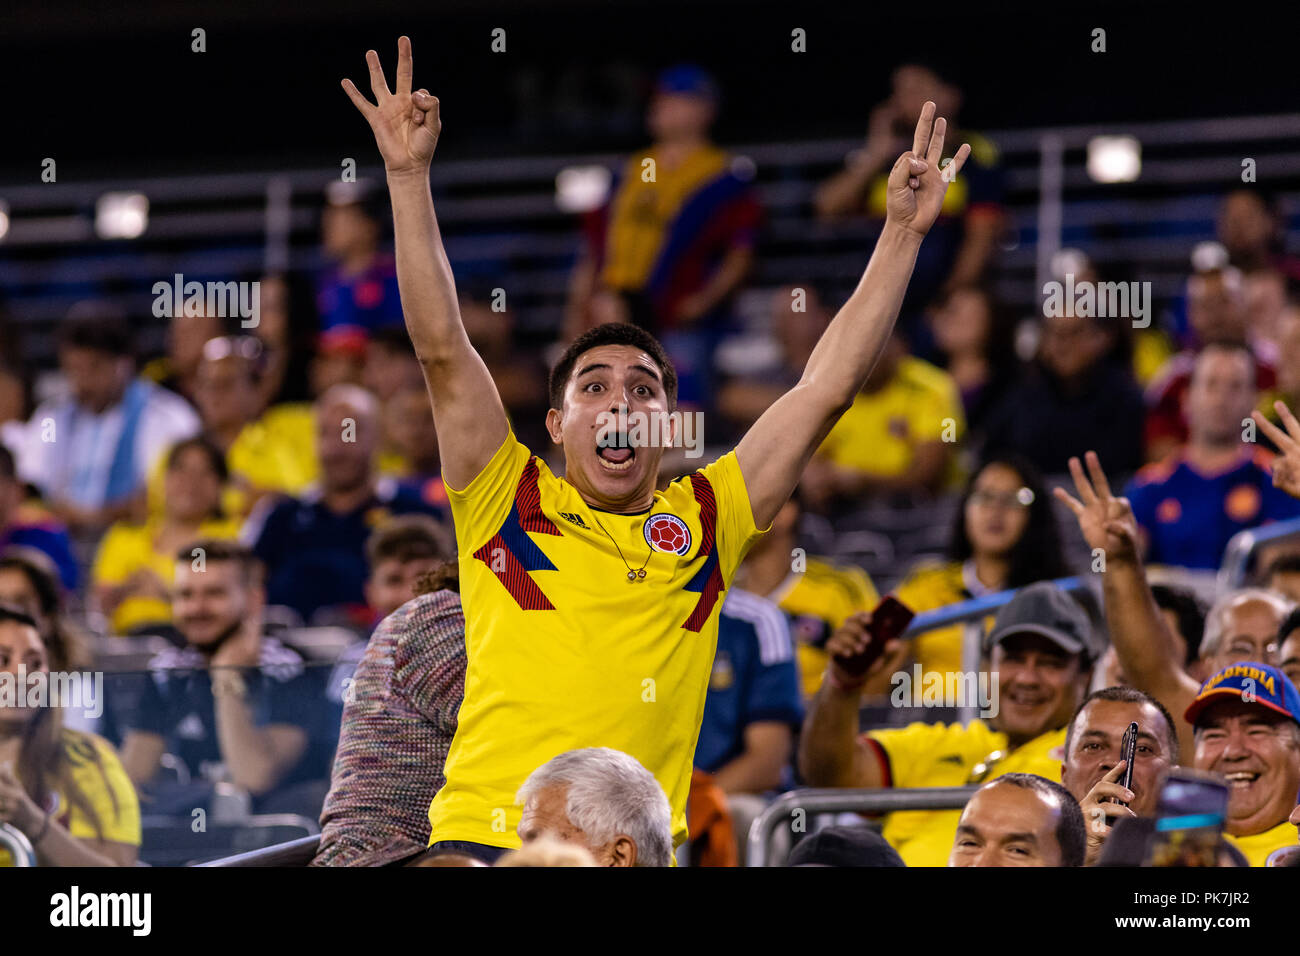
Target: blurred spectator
897, 438
230, 704
1039, 659
752, 709
1283, 576
1005, 535
340, 359
1190, 505
817, 594
1287, 388
676, 237
1216, 310
314, 546
844, 846
64, 789
133, 570
548, 851
186, 335
799, 317
29, 582
90, 452
271, 451
1288, 650
1094, 762
408, 420
399, 717
1020, 819
391, 365
604, 801
963, 241
287, 328
1184, 616
1251, 228
359, 290
976, 337
28, 524
1247, 724
1265, 299
1071, 400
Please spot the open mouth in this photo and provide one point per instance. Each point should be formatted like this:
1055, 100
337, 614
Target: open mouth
614, 452
1026, 700
1241, 780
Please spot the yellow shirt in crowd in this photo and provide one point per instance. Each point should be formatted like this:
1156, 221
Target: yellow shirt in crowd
106, 787
564, 652
879, 434
1257, 846
818, 600
126, 549
932, 586
947, 755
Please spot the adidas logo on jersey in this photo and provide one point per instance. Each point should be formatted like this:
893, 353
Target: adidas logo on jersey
574, 519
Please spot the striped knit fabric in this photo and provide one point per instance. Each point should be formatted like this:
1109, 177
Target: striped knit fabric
399, 717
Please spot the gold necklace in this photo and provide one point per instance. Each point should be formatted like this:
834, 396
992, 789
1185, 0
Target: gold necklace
632, 575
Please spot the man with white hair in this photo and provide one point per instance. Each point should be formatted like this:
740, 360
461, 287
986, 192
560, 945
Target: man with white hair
314, 546
602, 800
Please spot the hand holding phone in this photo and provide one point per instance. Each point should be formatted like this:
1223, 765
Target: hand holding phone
861, 640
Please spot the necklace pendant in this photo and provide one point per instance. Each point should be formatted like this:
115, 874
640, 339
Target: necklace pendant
631, 575
641, 573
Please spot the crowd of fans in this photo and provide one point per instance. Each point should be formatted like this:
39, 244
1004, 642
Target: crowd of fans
240, 495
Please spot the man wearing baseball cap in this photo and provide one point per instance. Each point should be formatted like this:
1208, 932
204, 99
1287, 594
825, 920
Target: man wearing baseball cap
1039, 659
1247, 724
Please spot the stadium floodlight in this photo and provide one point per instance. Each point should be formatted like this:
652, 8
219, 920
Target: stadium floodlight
581, 188
4, 219
1114, 159
121, 215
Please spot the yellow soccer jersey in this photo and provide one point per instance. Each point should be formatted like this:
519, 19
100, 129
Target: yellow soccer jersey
564, 652
1258, 846
948, 755
818, 600
928, 588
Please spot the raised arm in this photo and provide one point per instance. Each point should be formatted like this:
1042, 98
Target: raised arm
776, 448
466, 407
1142, 641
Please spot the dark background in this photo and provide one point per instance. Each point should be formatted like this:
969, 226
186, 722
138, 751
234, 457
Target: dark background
111, 90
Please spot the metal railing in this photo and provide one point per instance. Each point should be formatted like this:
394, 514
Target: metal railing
297, 852
19, 847
1242, 546
811, 802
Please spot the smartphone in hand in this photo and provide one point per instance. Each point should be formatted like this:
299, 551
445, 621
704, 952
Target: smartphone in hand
888, 621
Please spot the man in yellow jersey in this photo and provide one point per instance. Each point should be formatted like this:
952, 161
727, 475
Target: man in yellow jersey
1247, 725
591, 600
1039, 660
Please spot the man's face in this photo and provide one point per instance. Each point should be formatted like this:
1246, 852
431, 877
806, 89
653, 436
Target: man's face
347, 230
679, 116
1220, 396
345, 444
1245, 226
1257, 751
208, 604
392, 583
1039, 685
1216, 308
1249, 634
545, 815
1071, 345
605, 379
20, 646
1006, 825
223, 392
1095, 750
97, 378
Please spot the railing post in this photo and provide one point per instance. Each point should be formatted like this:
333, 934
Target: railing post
1051, 216
19, 847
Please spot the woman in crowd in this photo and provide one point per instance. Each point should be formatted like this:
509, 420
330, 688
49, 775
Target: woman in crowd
1005, 536
64, 789
133, 569
976, 337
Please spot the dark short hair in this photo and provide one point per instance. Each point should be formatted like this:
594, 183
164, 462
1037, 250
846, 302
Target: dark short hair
216, 460
11, 614
1126, 695
224, 550
406, 538
1188, 610
612, 333
100, 331
1070, 833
